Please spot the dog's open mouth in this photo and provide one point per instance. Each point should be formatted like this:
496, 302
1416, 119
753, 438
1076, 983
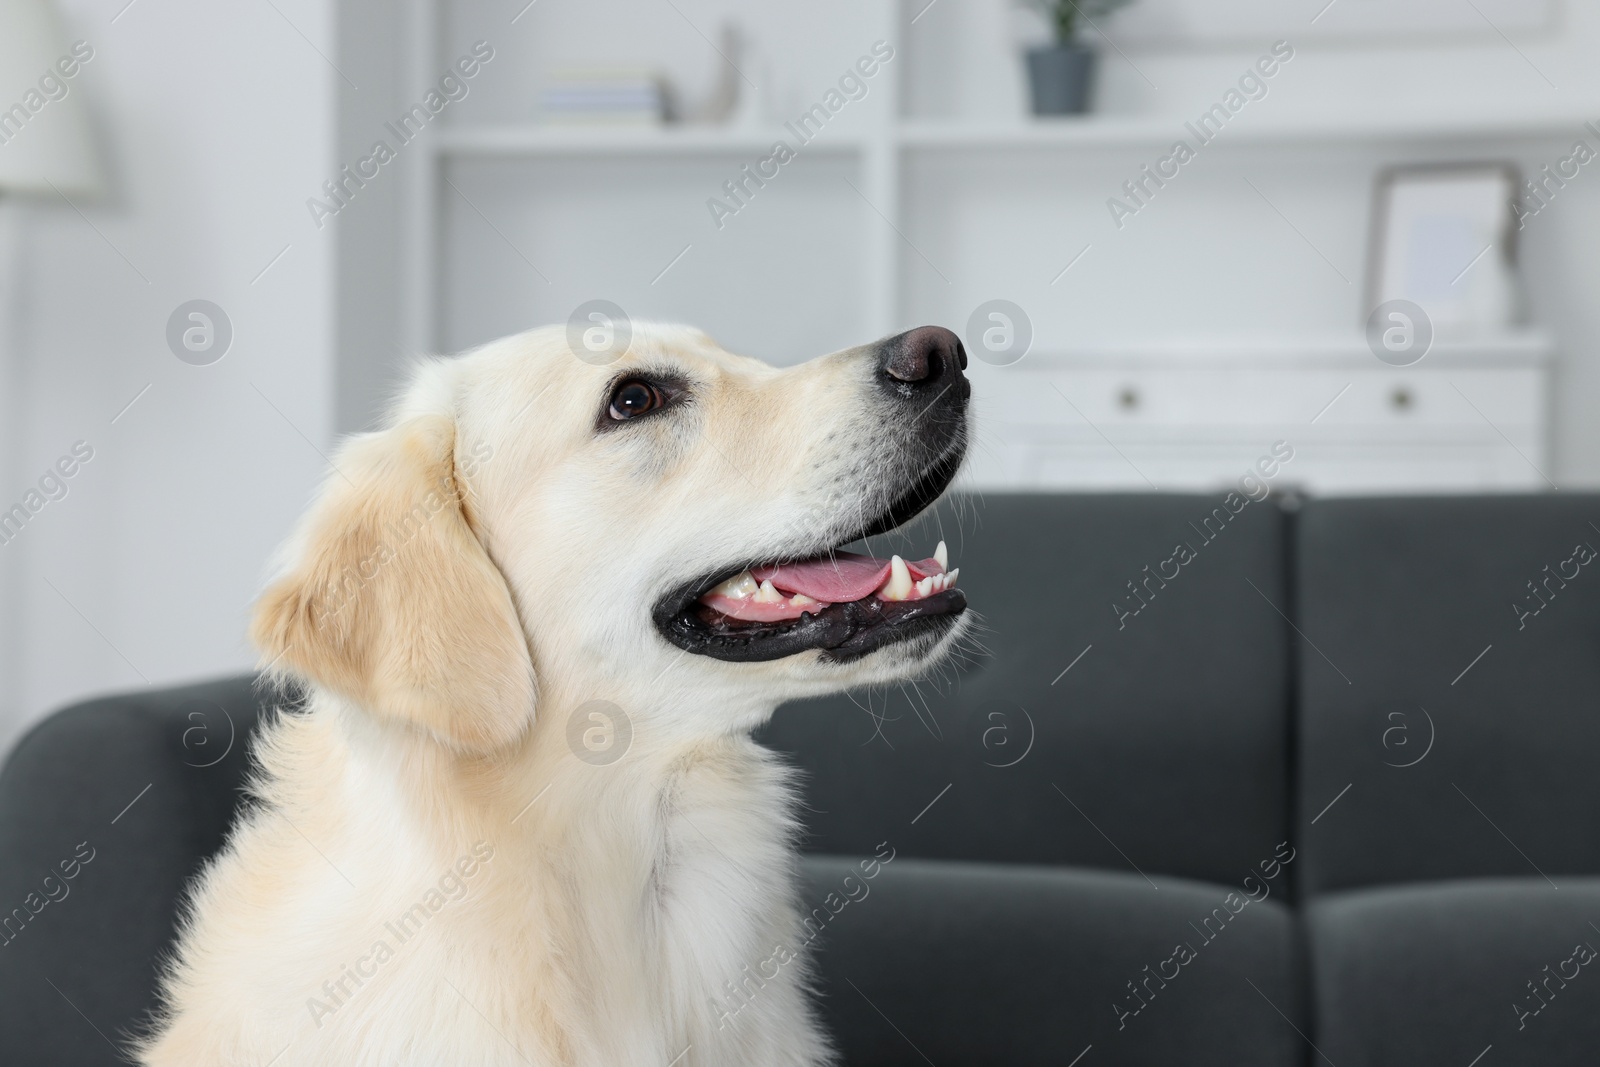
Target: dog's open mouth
789, 590
842, 603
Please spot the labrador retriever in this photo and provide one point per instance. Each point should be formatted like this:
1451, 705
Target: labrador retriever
519, 818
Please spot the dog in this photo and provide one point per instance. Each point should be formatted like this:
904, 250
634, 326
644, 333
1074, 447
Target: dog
519, 817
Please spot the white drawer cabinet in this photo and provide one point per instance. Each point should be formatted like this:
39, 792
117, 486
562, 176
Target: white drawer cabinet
1465, 418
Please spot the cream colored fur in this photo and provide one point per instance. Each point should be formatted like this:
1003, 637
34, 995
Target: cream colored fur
468, 579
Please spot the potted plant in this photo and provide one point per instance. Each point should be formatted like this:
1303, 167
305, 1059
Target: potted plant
1059, 74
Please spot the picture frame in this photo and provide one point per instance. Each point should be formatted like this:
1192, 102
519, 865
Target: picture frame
1444, 237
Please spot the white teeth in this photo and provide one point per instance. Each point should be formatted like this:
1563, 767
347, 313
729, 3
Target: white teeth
898, 587
950, 579
800, 600
941, 556
768, 594
739, 587
925, 587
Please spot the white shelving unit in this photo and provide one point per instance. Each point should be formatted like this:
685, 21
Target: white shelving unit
1466, 417
922, 245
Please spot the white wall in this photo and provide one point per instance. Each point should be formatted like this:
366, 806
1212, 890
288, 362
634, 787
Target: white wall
218, 123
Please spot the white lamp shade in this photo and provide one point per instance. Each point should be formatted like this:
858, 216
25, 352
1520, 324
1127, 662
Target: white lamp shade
45, 137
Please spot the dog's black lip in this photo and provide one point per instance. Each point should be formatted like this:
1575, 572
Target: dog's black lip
840, 632
673, 614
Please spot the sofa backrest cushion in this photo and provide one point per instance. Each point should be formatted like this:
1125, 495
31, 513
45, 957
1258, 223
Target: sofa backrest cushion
1451, 701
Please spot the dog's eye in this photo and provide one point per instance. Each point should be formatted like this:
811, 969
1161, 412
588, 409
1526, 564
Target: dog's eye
633, 398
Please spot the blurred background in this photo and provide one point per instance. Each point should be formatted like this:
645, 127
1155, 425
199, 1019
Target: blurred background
226, 229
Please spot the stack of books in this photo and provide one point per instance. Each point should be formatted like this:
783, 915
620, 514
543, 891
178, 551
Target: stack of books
606, 97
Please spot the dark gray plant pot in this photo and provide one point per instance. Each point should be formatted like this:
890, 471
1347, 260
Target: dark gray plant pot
1059, 77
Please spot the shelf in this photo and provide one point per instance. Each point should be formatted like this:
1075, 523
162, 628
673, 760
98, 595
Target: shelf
1087, 133
1110, 132
1519, 348
534, 139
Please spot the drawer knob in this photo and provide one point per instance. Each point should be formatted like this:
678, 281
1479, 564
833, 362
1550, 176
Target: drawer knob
1401, 399
1128, 398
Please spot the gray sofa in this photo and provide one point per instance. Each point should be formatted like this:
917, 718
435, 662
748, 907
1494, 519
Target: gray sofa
1321, 789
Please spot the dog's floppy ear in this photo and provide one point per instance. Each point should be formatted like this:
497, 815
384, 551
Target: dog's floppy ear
393, 602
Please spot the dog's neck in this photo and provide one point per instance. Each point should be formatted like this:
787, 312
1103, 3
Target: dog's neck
676, 841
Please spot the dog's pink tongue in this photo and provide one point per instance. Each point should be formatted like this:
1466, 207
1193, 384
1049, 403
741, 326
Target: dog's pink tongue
844, 576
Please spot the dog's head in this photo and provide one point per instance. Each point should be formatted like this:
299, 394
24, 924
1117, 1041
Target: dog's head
658, 530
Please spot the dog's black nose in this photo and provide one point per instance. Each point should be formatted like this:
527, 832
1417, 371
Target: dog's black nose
924, 366
923, 393
928, 355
